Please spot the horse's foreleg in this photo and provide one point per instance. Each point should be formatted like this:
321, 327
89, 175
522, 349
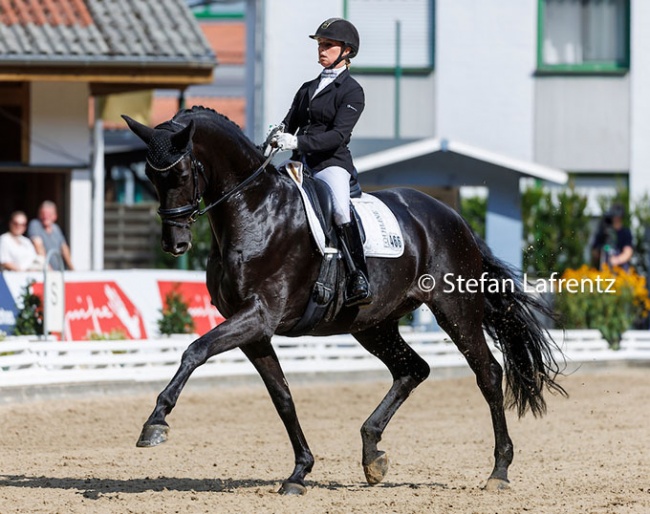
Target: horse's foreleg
408, 370
155, 430
263, 357
242, 328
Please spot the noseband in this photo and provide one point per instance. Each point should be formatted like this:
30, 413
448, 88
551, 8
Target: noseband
193, 210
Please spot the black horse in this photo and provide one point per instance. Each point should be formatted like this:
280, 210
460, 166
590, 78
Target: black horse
263, 262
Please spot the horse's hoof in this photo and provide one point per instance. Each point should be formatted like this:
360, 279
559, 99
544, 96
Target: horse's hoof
152, 435
291, 488
377, 469
496, 484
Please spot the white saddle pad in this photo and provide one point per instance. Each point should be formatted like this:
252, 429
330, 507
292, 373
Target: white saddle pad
383, 233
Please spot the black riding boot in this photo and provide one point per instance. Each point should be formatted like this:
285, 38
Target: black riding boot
357, 289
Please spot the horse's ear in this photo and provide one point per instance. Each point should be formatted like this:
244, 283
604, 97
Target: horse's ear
182, 138
140, 130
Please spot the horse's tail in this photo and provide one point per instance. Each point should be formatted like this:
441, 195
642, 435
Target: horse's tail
528, 349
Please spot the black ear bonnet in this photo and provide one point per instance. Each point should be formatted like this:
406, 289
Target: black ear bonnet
167, 147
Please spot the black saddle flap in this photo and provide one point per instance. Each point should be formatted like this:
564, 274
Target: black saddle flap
320, 198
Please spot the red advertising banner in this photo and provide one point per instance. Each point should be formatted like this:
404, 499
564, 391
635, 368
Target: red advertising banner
99, 307
195, 294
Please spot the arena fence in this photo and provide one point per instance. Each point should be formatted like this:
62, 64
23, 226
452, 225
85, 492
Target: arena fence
25, 362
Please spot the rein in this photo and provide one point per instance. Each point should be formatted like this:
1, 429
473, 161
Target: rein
168, 215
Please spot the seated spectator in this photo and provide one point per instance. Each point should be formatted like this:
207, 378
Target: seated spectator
613, 242
17, 253
47, 235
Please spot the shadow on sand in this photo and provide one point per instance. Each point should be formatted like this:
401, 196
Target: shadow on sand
94, 488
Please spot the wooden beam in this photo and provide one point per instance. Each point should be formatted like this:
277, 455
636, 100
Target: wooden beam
103, 88
142, 79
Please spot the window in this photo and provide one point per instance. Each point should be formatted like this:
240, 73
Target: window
376, 22
13, 123
584, 35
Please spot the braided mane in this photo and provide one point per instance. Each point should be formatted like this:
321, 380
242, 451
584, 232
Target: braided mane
211, 116
198, 109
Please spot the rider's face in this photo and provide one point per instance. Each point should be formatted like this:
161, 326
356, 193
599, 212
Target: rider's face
328, 51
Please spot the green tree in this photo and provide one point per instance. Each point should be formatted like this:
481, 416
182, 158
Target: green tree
556, 230
474, 210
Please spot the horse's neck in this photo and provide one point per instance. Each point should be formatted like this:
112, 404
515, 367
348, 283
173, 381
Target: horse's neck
227, 177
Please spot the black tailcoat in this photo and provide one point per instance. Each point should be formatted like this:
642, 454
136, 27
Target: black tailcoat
325, 122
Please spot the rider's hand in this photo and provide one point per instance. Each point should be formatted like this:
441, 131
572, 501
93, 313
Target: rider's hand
285, 141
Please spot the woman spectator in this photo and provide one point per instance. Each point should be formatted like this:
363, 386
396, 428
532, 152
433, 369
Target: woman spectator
17, 253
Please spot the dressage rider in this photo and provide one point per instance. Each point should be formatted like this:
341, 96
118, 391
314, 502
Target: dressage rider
318, 128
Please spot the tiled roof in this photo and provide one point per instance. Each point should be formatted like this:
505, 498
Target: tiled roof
101, 32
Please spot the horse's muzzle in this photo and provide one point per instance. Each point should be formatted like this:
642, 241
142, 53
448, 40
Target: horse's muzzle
180, 249
175, 240
176, 248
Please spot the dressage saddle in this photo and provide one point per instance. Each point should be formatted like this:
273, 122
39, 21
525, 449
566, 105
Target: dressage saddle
320, 197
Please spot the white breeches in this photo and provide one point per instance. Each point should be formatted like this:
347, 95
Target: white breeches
338, 180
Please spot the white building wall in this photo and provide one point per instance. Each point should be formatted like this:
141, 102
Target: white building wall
416, 108
640, 100
81, 216
59, 124
583, 123
288, 57
281, 57
483, 91
61, 137
485, 61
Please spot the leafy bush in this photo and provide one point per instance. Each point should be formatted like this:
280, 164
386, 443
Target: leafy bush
176, 318
474, 210
611, 313
29, 320
556, 230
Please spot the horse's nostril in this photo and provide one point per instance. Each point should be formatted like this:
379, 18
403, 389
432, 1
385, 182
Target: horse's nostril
182, 248
176, 249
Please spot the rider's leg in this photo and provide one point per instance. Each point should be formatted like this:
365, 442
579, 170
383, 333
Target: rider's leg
357, 289
338, 180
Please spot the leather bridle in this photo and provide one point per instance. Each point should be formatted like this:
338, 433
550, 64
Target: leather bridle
193, 210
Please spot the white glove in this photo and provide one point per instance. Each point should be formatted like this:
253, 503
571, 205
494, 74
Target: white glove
285, 141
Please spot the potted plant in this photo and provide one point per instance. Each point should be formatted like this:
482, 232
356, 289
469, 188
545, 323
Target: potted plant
176, 318
29, 320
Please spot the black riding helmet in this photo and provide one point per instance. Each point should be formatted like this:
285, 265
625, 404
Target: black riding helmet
338, 29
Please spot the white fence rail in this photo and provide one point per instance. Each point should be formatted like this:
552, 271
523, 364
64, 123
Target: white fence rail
28, 363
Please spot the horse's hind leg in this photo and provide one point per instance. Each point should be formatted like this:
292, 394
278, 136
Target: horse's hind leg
267, 365
465, 329
408, 370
